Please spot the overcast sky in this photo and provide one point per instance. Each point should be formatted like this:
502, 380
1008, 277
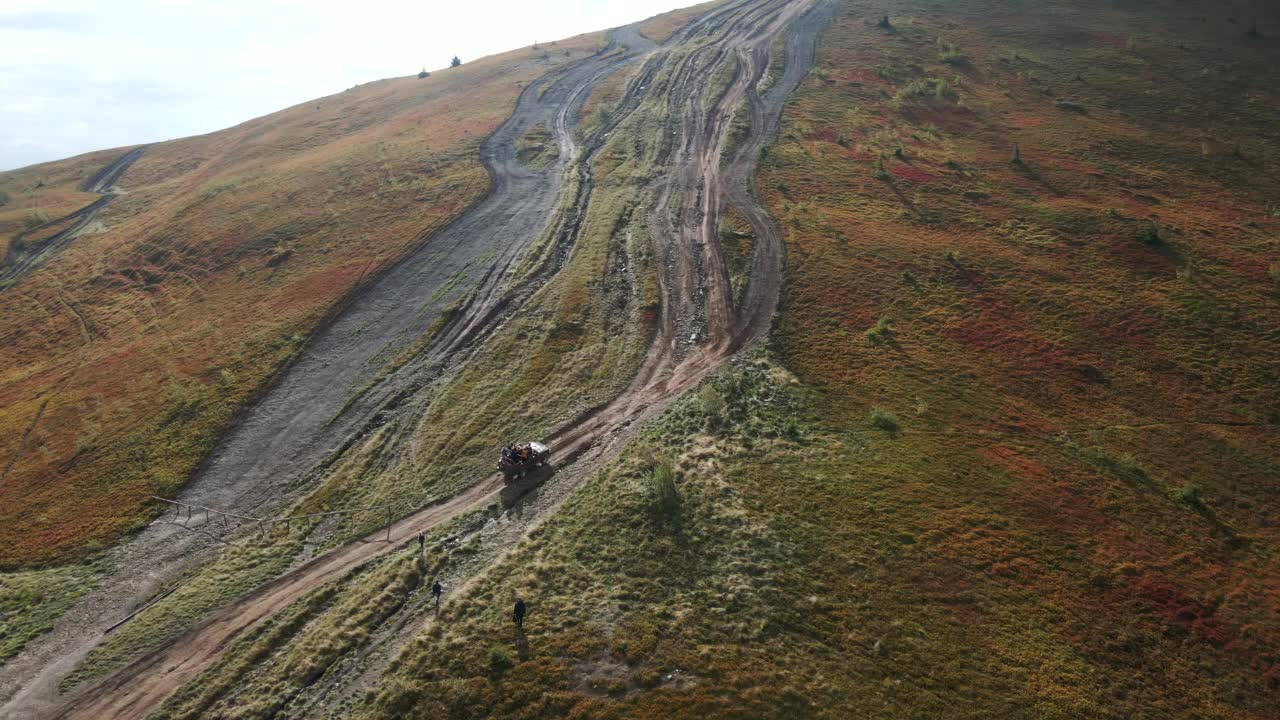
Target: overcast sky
80, 75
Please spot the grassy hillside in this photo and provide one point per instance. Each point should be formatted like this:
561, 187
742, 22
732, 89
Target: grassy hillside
34, 195
128, 354
568, 349
659, 28
1077, 338
1013, 450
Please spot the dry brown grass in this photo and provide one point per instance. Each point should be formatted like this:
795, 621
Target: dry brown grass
661, 27
137, 345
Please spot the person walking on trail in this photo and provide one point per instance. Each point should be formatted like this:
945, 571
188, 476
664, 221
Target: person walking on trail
422, 542
436, 590
519, 613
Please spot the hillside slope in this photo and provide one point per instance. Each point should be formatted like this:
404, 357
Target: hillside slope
909, 359
1009, 453
130, 352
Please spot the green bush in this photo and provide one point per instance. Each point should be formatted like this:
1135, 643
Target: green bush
711, 402
881, 331
880, 173
1189, 494
35, 219
791, 429
1150, 235
499, 660
882, 419
951, 55
4, 198
928, 91
661, 491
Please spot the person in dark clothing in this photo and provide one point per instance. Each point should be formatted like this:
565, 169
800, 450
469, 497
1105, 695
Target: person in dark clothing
422, 542
519, 613
436, 590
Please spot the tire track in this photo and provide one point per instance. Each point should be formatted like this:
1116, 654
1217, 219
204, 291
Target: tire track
299, 424
744, 30
22, 260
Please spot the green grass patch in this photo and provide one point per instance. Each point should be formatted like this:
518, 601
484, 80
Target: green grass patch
537, 148
882, 419
31, 600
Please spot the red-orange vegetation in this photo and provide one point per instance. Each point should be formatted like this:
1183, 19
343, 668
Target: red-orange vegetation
1082, 351
127, 354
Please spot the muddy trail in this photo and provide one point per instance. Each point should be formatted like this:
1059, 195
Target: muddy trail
700, 326
325, 399
312, 413
25, 255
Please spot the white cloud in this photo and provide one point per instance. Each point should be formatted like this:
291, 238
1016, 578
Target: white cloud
81, 75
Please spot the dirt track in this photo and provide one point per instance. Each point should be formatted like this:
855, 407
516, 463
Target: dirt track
22, 260
255, 464
305, 418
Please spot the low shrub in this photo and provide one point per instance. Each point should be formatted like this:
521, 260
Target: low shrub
711, 402
791, 429
880, 173
881, 331
1189, 494
661, 492
499, 660
951, 55
1149, 235
928, 91
882, 419
35, 219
